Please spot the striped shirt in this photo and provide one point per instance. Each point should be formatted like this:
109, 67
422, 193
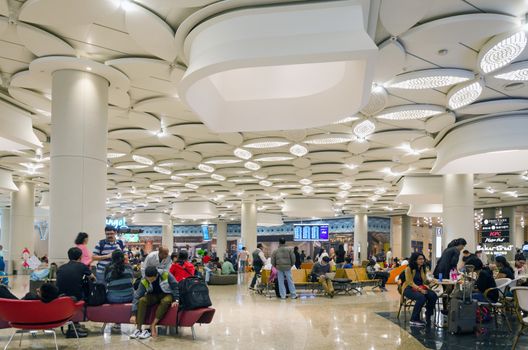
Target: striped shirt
121, 286
104, 248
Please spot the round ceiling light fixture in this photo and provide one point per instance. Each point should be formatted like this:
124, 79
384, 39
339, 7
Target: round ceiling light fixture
516, 71
409, 112
329, 139
218, 177
242, 153
305, 182
501, 50
205, 167
298, 150
464, 94
266, 142
143, 159
252, 166
430, 78
364, 127
265, 183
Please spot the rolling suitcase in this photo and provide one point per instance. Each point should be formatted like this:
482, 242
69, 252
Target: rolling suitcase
462, 311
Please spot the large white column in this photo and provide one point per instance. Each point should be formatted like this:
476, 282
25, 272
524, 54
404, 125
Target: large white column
360, 238
458, 209
396, 237
78, 159
5, 239
167, 237
406, 236
22, 221
221, 239
249, 225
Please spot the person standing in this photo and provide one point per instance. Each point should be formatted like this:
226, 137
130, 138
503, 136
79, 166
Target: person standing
81, 242
259, 260
242, 258
303, 256
159, 259
388, 257
297, 257
449, 259
104, 249
340, 256
283, 259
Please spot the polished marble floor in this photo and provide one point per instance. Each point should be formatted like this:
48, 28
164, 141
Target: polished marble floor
245, 320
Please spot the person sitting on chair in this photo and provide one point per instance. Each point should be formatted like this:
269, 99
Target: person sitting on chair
414, 288
374, 272
155, 288
319, 274
484, 281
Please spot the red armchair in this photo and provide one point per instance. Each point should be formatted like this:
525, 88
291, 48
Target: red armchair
26, 315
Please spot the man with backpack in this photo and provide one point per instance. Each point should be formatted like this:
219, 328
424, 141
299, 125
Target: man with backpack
259, 260
154, 288
283, 259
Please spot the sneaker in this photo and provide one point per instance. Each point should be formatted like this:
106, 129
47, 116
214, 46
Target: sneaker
294, 296
417, 323
116, 328
136, 334
145, 334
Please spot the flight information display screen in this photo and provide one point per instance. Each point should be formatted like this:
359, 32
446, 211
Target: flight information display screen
310, 232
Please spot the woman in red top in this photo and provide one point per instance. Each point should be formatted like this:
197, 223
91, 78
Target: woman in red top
206, 258
181, 268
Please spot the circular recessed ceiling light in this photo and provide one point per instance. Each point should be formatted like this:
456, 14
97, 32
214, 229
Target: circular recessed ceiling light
218, 177
298, 150
464, 94
265, 183
143, 159
515, 71
408, 112
364, 127
205, 167
266, 142
430, 78
162, 170
329, 139
305, 181
501, 50
252, 166
242, 153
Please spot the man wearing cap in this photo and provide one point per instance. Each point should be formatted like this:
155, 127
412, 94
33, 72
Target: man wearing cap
103, 251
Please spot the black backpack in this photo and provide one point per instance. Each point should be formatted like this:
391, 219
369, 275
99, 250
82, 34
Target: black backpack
194, 294
96, 294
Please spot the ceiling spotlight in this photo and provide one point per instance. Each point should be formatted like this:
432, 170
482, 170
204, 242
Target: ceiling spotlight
515, 71
191, 186
143, 159
252, 166
205, 167
89, 69
113, 155
364, 128
430, 78
260, 176
242, 153
329, 139
464, 94
266, 142
218, 177
305, 181
490, 189
408, 112
298, 150
307, 189
265, 183
162, 170
345, 186
501, 50
380, 190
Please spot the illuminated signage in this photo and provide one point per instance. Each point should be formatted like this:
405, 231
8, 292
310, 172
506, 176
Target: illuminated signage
117, 223
205, 233
496, 230
310, 232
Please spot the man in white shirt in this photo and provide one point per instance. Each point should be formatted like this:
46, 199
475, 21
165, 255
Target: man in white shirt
159, 259
388, 257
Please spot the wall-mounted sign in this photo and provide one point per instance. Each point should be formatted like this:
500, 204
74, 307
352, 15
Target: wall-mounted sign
495, 249
117, 222
205, 233
496, 230
310, 232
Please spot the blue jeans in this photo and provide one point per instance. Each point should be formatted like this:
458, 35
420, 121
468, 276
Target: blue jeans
207, 274
115, 299
282, 287
420, 299
99, 277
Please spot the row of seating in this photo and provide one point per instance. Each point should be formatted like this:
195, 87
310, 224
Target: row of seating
12, 316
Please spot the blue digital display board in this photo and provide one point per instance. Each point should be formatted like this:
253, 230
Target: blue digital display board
311, 232
205, 233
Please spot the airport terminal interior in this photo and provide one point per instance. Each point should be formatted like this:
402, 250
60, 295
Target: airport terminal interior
273, 174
